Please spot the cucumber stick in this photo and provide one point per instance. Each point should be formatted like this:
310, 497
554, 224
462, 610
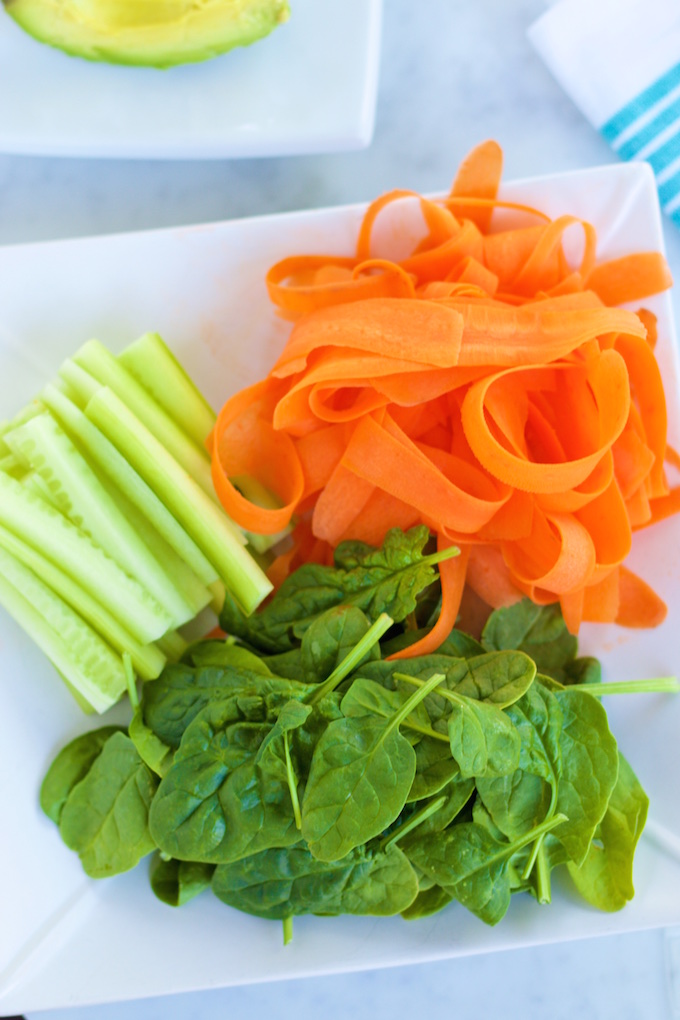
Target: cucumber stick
108, 371
195, 594
76, 383
85, 661
147, 660
111, 535
12, 465
45, 529
75, 489
104, 457
156, 368
173, 645
208, 525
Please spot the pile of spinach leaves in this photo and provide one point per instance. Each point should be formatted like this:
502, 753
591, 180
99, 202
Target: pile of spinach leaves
295, 768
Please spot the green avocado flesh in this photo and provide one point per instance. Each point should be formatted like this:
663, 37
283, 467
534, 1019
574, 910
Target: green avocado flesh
155, 33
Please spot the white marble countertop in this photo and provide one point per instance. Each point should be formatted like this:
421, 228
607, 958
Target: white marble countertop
453, 73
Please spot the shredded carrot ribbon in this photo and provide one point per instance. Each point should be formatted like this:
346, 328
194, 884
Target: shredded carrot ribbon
479, 384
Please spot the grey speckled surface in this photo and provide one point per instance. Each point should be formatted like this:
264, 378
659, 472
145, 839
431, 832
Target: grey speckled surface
453, 72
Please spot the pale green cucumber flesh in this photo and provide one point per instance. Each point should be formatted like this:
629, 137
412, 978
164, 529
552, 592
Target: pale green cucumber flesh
195, 594
173, 645
78, 383
108, 371
78, 493
109, 461
148, 660
45, 529
157, 369
210, 528
84, 659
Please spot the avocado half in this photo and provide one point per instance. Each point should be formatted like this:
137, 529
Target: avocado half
151, 33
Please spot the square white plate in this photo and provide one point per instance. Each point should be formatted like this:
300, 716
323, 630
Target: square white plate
308, 87
65, 940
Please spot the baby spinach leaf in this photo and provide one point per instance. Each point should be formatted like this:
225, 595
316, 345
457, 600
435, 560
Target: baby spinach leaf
549, 682
590, 765
229, 791
500, 678
187, 818
286, 882
481, 816
364, 647
541, 632
258, 811
413, 817
519, 801
170, 703
225, 654
460, 646
330, 638
457, 645
152, 750
286, 664
105, 817
70, 766
271, 753
530, 628
471, 865
483, 740
274, 755
178, 882
435, 768
385, 580
605, 878
367, 698
306, 737
359, 779
454, 797
427, 902
421, 666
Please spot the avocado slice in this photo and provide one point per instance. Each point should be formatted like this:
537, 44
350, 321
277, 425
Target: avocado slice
155, 33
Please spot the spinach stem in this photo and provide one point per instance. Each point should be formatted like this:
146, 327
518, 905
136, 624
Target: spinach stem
441, 554
449, 695
288, 930
539, 842
427, 731
656, 685
292, 782
543, 875
352, 659
538, 831
411, 823
402, 714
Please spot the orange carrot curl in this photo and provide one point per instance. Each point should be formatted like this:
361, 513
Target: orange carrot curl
480, 385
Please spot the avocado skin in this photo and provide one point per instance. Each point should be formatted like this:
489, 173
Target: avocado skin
202, 31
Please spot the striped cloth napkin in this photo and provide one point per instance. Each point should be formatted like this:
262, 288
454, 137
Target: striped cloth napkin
619, 60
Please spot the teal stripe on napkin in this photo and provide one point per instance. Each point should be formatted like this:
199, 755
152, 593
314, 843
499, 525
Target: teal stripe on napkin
646, 135
665, 154
641, 104
657, 136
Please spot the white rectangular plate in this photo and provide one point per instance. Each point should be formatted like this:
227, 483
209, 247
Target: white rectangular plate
308, 87
65, 940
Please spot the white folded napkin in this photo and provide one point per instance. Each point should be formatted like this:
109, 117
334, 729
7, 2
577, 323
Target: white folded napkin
619, 60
